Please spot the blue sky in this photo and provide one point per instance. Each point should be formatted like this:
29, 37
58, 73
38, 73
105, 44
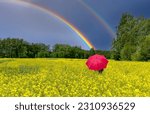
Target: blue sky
25, 22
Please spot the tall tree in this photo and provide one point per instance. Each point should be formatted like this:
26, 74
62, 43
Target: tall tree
131, 32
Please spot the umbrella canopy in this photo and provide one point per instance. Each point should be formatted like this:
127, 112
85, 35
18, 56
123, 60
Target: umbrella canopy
97, 62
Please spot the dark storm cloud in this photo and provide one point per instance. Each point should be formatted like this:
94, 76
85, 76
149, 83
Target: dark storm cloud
83, 19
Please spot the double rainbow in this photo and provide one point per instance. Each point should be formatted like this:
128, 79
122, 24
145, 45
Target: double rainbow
52, 13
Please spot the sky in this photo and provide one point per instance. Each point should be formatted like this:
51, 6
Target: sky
85, 23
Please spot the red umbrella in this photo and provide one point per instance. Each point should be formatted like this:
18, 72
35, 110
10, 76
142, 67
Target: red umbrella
97, 62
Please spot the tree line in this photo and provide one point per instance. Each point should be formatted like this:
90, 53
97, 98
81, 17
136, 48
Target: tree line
132, 42
19, 48
133, 39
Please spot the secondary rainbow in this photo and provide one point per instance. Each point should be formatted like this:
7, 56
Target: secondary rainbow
52, 13
98, 17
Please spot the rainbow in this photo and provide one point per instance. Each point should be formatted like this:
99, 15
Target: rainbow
52, 13
99, 18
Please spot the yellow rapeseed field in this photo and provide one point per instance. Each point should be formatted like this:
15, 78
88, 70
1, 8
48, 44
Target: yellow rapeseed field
71, 77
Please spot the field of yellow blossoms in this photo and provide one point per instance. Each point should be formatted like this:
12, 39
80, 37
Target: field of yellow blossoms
71, 77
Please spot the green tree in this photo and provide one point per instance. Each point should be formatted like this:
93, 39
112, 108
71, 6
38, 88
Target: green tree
12, 47
145, 49
131, 33
92, 51
127, 51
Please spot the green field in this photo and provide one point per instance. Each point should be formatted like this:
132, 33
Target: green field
71, 77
